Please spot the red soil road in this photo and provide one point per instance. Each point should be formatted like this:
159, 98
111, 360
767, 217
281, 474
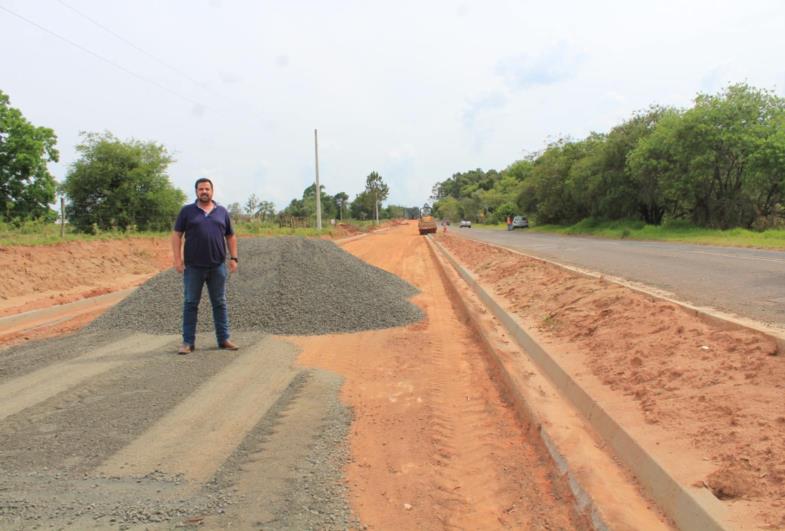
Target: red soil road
434, 445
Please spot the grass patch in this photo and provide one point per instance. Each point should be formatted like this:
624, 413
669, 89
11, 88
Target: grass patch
40, 233
673, 232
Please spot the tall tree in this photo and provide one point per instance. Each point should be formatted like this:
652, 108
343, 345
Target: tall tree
266, 210
657, 171
724, 135
26, 186
341, 201
378, 190
117, 184
252, 205
362, 206
327, 204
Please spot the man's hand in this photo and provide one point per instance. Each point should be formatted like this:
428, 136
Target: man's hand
232, 266
177, 251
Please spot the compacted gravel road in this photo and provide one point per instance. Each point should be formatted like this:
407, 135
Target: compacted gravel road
359, 398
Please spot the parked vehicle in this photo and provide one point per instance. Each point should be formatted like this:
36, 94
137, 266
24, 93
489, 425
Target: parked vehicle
520, 222
465, 223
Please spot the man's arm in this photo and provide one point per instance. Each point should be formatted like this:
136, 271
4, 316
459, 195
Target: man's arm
177, 251
231, 242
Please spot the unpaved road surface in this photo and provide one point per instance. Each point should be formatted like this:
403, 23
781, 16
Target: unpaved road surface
395, 428
433, 444
114, 431
745, 282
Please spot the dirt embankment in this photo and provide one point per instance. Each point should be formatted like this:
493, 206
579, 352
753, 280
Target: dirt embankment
44, 275
718, 392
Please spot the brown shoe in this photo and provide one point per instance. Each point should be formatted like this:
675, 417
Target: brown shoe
228, 345
185, 348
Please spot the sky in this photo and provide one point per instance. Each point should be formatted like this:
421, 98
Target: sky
414, 90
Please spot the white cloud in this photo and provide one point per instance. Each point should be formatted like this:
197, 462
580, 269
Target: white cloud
414, 90
554, 64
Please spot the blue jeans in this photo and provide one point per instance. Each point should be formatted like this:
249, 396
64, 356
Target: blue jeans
193, 280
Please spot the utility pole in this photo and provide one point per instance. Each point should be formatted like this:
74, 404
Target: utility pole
62, 217
318, 188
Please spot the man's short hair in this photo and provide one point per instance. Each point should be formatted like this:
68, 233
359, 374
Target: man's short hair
203, 180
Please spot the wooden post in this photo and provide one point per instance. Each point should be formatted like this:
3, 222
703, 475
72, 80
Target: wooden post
62, 217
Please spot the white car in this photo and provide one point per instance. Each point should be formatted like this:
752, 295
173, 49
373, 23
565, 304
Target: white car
465, 223
520, 222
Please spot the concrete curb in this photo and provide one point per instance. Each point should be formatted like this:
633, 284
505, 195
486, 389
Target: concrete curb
689, 510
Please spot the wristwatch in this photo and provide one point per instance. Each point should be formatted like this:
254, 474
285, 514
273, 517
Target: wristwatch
235, 259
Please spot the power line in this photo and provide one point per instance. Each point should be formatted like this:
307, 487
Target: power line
102, 58
134, 46
200, 84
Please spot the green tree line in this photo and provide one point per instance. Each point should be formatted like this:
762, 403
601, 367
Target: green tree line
719, 164
367, 204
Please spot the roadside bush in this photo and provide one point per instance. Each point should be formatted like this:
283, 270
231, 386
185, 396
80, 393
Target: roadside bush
117, 184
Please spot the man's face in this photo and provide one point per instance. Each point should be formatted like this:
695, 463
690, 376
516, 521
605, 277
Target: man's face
204, 192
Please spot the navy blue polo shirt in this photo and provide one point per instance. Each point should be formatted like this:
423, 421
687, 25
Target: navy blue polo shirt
204, 234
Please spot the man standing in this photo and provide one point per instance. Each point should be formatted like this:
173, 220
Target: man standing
208, 231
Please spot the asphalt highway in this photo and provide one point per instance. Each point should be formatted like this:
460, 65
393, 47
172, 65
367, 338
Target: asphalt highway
748, 283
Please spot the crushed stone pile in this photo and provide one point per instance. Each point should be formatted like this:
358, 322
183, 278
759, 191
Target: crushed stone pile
286, 286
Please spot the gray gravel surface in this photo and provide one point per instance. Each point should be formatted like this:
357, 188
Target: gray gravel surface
287, 286
78, 428
27, 357
300, 447
285, 474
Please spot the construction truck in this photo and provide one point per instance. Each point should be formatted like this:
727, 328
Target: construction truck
426, 224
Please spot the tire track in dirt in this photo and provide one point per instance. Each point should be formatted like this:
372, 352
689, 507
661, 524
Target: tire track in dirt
433, 444
459, 421
475, 428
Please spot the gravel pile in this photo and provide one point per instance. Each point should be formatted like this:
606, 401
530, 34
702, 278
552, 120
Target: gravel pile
288, 286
